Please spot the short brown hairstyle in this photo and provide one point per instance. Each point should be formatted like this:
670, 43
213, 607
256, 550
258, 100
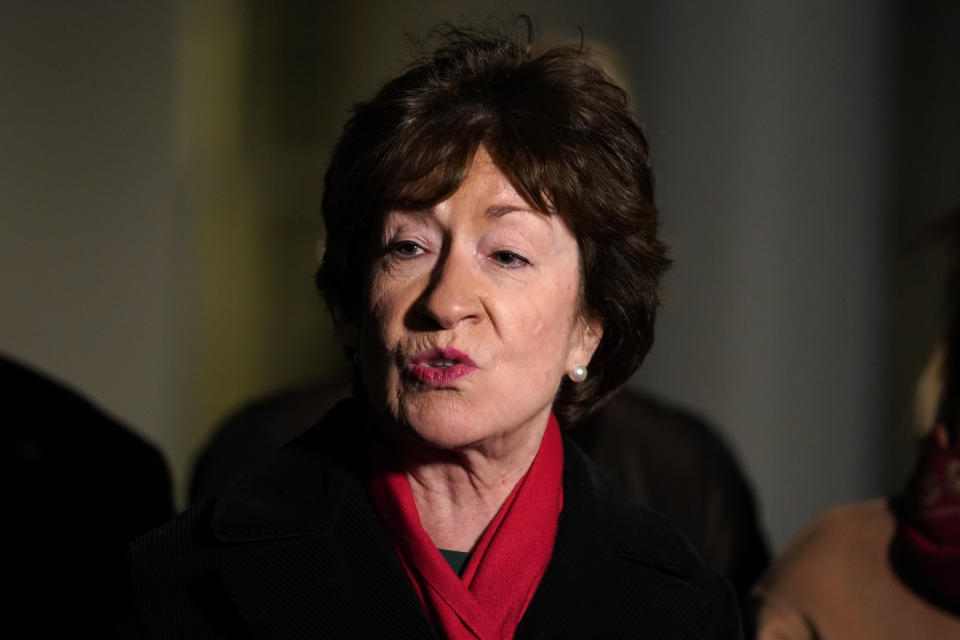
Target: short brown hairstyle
554, 123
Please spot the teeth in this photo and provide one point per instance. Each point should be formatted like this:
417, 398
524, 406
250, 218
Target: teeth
442, 363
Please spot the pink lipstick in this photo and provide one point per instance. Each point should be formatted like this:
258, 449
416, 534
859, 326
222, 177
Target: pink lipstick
439, 367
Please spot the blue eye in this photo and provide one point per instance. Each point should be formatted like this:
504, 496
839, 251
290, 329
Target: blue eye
509, 259
405, 249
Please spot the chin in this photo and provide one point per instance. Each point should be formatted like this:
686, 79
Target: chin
442, 439
447, 434
445, 425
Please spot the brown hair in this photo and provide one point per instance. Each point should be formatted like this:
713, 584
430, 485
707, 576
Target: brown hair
559, 127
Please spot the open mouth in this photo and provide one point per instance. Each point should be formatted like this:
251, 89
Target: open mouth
441, 366
443, 357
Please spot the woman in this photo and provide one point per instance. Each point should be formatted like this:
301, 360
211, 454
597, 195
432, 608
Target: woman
493, 264
886, 568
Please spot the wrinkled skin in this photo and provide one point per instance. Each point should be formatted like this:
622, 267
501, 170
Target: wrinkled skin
485, 273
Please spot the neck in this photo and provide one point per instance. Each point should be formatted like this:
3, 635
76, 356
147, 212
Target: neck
458, 492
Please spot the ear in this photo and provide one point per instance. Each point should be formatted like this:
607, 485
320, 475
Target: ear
585, 340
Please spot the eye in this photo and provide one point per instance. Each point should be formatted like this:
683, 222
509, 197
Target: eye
404, 249
509, 259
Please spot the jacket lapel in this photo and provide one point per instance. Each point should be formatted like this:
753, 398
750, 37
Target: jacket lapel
616, 571
301, 551
301, 541
291, 587
575, 578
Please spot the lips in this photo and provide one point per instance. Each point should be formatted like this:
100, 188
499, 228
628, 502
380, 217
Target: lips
441, 366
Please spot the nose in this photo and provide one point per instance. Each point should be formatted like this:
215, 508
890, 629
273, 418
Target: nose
453, 295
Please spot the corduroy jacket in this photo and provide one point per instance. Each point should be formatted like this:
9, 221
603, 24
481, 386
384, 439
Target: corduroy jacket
294, 549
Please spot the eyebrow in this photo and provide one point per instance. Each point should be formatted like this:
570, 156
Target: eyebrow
500, 210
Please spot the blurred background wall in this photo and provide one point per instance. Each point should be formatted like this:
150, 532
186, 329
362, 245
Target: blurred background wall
161, 166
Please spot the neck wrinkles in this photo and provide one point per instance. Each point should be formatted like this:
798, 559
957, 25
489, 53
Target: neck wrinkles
458, 493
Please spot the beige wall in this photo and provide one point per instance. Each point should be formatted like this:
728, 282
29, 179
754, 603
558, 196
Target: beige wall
90, 224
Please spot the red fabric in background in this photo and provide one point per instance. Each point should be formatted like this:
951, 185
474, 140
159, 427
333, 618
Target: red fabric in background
930, 518
507, 563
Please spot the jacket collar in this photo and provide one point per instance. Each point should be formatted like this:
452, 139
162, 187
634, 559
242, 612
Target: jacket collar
300, 489
298, 531
610, 556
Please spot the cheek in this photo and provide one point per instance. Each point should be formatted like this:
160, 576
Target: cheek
381, 306
375, 332
542, 323
377, 338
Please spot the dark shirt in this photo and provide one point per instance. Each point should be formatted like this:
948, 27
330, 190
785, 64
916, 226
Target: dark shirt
83, 485
456, 559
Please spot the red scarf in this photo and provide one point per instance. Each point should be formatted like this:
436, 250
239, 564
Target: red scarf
506, 565
929, 519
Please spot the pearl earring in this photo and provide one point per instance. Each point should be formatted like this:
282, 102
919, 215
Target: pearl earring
578, 373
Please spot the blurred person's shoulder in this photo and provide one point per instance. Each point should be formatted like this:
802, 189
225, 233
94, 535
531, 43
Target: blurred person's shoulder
848, 535
811, 583
836, 580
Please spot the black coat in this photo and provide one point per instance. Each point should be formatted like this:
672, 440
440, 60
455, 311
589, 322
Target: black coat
80, 485
295, 550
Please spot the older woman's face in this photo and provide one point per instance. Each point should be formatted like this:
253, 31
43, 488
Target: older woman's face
472, 316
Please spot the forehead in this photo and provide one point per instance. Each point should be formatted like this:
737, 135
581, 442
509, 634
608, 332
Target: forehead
487, 195
484, 177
